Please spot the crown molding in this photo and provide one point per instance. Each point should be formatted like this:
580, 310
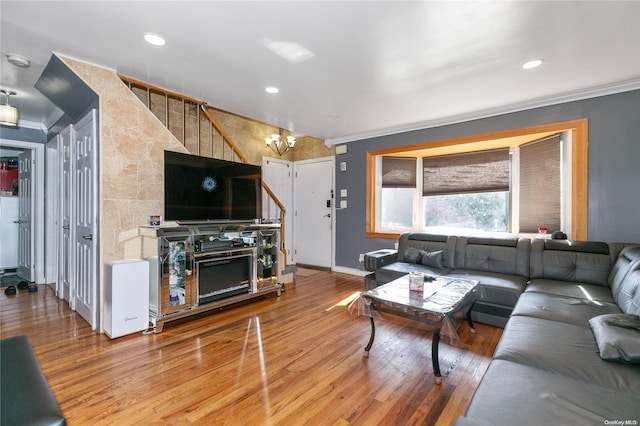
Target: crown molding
27, 124
594, 92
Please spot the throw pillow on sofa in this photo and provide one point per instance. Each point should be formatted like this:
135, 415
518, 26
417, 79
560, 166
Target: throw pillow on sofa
411, 255
617, 336
434, 259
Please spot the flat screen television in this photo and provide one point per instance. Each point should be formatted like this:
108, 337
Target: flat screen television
203, 189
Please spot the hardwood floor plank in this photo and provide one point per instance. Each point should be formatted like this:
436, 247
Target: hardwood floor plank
296, 359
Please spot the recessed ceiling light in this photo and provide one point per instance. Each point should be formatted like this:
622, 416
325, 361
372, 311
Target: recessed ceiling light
533, 64
18, 60
271, 89
155, 39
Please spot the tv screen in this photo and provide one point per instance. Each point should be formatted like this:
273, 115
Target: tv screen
207, 189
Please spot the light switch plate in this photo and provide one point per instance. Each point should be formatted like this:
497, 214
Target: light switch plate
343, 166
343, 192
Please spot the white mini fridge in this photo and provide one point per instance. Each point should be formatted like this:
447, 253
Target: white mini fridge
126, 308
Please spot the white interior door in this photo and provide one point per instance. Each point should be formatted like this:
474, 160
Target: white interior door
9, 232
278, 175
51, 214
26, 265
313, 194
65, 247
85, 212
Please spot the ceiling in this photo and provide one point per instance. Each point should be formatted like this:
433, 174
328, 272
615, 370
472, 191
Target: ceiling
365, 68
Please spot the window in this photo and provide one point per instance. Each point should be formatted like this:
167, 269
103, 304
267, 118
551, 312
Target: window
514, 182
466, 191
397, 193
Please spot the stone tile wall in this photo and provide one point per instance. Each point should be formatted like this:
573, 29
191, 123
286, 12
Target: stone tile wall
132, 143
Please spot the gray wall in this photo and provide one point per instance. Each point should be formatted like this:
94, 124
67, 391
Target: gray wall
614, 170
23, 134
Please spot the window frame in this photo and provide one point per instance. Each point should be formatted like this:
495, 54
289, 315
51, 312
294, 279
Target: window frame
576, 205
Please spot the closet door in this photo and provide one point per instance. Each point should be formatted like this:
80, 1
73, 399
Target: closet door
85, 219
26, 268
65, 247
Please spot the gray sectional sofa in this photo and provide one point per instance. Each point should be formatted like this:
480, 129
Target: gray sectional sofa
570, 350
501, 265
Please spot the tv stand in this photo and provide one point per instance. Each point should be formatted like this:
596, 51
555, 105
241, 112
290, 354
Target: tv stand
201, 267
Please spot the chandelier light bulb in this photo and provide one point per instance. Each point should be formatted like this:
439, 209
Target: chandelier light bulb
279, 144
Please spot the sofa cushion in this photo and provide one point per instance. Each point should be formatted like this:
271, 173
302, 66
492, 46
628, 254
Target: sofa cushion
628, 258
628, 295
570, 289
499, 255
617, 336
564, 309
512, 393
564, 349
500, 289
575, 261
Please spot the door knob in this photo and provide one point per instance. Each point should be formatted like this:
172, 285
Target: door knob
66, 227
327, 215
18, 221
88, 237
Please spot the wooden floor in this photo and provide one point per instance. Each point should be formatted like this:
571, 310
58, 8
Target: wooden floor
291, 360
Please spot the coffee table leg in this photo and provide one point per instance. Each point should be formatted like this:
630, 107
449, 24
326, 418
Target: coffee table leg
373, 335
472, 326
435, 342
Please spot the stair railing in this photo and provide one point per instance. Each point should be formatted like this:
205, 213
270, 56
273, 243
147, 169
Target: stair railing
202, 107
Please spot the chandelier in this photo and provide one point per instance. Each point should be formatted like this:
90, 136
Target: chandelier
278, 144
8, 113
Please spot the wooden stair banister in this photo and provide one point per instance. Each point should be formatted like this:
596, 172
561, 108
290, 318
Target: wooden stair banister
219, 129
202, 106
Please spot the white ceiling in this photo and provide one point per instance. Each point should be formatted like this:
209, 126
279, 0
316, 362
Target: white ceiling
377, 67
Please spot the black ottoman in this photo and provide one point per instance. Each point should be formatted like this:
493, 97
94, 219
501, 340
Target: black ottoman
25, 396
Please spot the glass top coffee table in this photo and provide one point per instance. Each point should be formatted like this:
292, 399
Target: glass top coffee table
443, 302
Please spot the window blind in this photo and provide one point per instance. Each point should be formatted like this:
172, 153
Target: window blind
540, 183
398, 172
482, 171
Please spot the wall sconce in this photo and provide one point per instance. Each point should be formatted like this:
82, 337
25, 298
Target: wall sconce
8, 113
278, 144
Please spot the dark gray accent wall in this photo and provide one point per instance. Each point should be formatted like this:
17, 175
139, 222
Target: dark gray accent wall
23, 134
66, 89
614, 168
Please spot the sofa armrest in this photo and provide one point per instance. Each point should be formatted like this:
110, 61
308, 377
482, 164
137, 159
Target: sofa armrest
375, 259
